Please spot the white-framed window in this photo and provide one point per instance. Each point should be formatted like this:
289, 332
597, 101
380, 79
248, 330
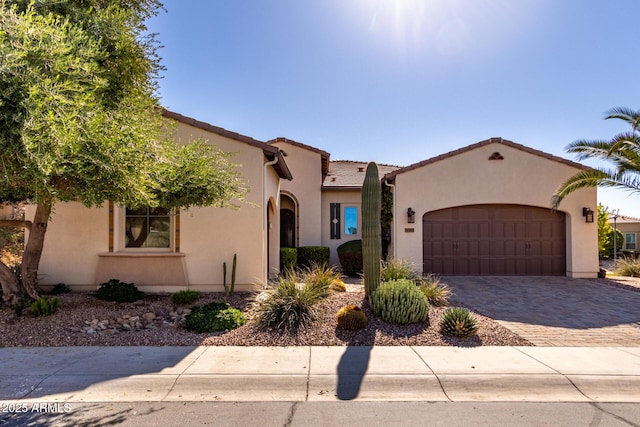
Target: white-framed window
630, 241
351, 227
148, 228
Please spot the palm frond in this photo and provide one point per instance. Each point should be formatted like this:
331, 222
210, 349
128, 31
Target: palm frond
627, 114
589, 149
595, 178
626, 140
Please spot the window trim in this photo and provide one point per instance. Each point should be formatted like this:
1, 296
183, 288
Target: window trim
358, 222
627, 243
117, 239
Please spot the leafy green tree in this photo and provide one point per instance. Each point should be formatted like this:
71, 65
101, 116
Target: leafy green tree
605, 234
80, 120
623, 150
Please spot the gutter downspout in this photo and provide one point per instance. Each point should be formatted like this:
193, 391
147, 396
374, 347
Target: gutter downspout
265, 230
394, 238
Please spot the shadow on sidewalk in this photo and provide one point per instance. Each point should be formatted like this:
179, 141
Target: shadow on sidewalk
354, 362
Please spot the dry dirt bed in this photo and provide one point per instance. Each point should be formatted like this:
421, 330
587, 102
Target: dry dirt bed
61, 329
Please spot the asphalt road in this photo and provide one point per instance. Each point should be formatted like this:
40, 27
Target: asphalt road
308, 414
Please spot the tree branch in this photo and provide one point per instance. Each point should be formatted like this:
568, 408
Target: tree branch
15, 223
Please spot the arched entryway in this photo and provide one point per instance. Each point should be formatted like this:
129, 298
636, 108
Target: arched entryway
288, 221
512, 240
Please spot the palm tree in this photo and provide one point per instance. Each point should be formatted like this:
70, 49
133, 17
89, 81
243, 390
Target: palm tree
623, 150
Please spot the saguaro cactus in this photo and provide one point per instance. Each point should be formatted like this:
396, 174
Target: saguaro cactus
371, 234
233, 274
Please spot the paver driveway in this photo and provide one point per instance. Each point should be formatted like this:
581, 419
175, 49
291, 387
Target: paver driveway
555, 311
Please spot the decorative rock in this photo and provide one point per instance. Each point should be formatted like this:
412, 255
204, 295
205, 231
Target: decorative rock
126, 326
91, 331
134, 318
149, 316
186, 311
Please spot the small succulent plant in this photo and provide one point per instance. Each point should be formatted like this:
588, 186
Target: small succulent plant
351, 318
400, 301
458, 322
337, 286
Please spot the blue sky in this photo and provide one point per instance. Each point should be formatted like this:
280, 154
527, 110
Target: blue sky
399, 81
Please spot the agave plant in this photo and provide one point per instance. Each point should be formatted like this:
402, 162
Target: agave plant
458, 322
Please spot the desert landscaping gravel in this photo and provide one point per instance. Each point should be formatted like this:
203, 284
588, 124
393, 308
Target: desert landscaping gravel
84, 320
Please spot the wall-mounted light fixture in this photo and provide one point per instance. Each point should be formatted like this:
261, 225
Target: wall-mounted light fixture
587, 214
411, 216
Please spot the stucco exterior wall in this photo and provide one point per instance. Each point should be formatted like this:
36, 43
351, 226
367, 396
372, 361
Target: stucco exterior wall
470, 178
75, 236
345, 198
273, 223
306, 168
77, 241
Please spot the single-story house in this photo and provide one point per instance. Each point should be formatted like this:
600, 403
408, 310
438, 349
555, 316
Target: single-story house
630, 228
480, 210
183, 249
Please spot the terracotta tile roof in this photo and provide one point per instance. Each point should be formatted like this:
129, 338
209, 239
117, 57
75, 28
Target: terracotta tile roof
506, 142
624, 219
324, 156
346, 174
269, 151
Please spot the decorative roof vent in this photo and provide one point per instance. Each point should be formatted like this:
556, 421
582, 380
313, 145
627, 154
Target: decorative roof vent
496, 156
360, 168
333, 179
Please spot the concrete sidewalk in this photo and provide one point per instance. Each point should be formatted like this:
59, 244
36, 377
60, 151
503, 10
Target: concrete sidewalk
319, 374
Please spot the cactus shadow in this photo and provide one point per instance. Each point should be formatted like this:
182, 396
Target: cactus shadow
354, 362
352, 369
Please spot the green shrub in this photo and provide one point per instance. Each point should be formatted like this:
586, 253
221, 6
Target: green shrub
627, 267
289, 306
351, 318
436, 292
308, 256
60, 289
397, 269
350, 256
458, 322
214, 317
44, 306
319, 278
117, 291
288, 258
185, 296
400, 301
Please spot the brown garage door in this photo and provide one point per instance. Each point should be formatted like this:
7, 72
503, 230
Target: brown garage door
510, 240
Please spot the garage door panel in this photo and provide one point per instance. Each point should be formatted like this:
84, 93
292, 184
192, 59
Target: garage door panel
472, 214
494, 240
509, 213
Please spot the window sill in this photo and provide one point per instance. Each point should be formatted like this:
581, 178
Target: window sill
132, 254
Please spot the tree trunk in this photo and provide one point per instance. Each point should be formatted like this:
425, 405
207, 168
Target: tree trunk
33, 249
10, 286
